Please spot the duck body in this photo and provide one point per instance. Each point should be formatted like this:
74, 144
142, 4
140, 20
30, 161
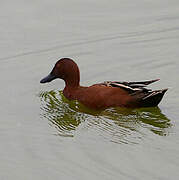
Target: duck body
97, 96
106, 94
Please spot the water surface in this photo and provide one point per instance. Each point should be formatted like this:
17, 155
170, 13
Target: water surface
43, 135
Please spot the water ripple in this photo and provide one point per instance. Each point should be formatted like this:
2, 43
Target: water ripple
105, 37
118, 125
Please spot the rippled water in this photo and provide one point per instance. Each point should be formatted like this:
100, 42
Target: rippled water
118, 125
45, 136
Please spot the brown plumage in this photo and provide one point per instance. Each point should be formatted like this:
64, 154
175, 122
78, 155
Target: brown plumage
103, 95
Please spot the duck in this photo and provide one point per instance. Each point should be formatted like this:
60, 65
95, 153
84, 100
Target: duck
106, 94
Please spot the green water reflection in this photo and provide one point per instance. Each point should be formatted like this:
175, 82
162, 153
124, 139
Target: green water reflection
115, 124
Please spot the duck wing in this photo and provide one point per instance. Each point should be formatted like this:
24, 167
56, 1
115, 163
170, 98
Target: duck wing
142, 95
131, 87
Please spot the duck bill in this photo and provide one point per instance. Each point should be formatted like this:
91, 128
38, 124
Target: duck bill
48, 78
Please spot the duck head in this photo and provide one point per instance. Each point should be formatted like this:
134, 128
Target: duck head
65, 69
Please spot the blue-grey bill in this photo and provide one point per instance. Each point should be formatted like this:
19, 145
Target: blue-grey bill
48, 78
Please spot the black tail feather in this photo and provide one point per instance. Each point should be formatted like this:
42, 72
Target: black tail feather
153, 99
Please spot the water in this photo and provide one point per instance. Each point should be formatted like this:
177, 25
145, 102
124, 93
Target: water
43, 135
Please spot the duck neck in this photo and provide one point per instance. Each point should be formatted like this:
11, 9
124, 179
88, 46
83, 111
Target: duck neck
72, 76
73, 81
71, 85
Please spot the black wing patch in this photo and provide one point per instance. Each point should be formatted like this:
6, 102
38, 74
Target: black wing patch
131, 87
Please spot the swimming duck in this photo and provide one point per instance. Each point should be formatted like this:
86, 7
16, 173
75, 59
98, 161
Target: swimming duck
106, 94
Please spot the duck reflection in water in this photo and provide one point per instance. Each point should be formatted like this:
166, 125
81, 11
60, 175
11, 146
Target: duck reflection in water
119, 123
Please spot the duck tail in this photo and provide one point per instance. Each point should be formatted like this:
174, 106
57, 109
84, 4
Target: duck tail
153, 99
